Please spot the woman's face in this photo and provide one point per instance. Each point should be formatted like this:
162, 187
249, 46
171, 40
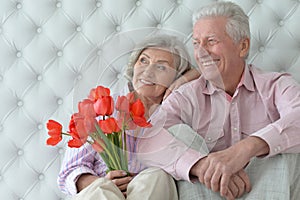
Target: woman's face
153, 73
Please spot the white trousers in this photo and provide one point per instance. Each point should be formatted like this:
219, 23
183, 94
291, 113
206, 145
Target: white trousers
150, 184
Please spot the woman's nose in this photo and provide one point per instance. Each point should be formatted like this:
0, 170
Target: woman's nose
149, 70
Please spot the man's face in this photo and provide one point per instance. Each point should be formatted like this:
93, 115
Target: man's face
216, 54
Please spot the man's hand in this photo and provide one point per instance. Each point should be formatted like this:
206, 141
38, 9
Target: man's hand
217, 169
120, 179
238, 185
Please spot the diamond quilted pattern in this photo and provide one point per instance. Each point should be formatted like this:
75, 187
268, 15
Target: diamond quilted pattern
53, 51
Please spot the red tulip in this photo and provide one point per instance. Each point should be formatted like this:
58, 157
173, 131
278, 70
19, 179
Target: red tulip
86, 108
109, 125
104, 106
98, 92
55, 132
137, 111
122, 104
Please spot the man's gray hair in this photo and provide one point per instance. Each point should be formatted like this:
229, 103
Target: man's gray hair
165, 42
237, 26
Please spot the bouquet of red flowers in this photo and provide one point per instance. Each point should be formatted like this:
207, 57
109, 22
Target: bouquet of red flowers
94, 123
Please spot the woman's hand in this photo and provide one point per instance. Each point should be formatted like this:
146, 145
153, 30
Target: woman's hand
120, 178
188, 76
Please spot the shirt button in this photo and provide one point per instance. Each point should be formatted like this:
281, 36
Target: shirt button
278, 148
235, 128
209, 139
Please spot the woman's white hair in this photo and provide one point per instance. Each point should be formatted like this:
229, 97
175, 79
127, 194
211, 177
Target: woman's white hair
162, 41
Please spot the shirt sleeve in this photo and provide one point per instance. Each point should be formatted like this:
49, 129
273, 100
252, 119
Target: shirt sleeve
159, 148
283, 135
77, 162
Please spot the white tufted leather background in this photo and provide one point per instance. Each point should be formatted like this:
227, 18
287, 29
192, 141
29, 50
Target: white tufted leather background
53, 52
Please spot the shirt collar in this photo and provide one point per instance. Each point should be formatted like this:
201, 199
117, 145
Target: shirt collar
246, 80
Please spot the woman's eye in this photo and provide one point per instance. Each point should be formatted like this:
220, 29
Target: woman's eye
143, 60
161, 67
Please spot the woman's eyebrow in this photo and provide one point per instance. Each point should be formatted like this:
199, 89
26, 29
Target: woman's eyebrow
159, 61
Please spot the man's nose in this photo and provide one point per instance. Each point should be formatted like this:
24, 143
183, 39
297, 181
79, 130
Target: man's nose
202, 51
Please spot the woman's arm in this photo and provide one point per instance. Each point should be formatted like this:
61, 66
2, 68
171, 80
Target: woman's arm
186, 77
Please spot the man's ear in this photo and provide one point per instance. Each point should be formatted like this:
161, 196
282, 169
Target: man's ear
244, 47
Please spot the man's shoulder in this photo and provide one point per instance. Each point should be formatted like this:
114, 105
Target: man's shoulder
266, 76
192, 85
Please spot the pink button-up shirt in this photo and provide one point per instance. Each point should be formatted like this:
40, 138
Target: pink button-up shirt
265, 104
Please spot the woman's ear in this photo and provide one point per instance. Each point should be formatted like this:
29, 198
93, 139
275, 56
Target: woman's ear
244, 47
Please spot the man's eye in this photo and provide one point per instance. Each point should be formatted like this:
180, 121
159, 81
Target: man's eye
212, 41
196, 45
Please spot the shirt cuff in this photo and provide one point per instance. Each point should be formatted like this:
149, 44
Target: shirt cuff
186, 162
73, 177
272, 136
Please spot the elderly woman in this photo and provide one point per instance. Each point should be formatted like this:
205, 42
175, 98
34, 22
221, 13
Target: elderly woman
156, 64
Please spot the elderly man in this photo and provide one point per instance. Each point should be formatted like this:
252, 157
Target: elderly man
247, 120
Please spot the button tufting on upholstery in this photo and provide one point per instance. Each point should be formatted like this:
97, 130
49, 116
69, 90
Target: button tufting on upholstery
60, 151
59, 53
78, 28
179, 1
159, 25
21, 198
59, 101
1, 128
1, 78
259, 1
19, 54
18, 5
281, 23
118, 28
58, 4
138, 3
98, 4
79, 77
119, 76
39, 77
38, 29
40, 126
20, 152
99, 52
20, 103
261, 48
41, 177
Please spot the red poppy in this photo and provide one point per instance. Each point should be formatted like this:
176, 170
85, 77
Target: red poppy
55, 132
98, 92
109, 125
104, 106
